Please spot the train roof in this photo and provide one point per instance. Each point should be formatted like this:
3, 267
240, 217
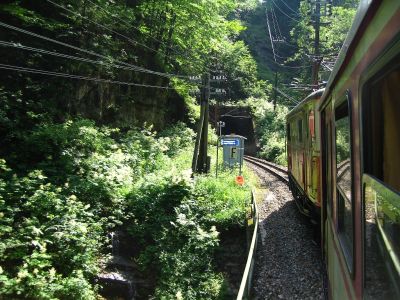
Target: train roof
313, 96
349, 43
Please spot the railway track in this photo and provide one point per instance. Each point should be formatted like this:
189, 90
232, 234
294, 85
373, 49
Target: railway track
275, 169
287, 261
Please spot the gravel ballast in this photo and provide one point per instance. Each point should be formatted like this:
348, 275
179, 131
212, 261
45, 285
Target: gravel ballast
288, 260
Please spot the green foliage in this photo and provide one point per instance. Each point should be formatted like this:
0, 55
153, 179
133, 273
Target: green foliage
49, 240
342, 139
221, 201
186, 258
332, 35
176, 138
241, 69
270, 129
173, 36
175, 223
83, 181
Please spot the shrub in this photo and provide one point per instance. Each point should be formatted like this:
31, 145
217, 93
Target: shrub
46, 238
270, 129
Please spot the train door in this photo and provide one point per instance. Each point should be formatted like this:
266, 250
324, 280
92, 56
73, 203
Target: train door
302, 151
289, 146
312, 157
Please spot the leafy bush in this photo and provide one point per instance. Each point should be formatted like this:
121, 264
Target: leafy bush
186, 258
270, 129
49, 240
82, 182
177, 137
221, 201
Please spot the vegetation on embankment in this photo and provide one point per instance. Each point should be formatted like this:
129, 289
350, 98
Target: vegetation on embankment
67, 185
270, 129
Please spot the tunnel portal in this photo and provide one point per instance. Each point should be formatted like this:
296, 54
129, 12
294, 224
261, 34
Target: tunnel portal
238, 120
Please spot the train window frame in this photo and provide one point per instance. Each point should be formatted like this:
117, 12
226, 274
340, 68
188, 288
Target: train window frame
388, 61
348, 251
300, 130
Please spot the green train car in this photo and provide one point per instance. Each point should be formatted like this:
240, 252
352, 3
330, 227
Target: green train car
360, 159
303, 153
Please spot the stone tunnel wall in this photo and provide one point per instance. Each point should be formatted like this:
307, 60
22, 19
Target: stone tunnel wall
238, 120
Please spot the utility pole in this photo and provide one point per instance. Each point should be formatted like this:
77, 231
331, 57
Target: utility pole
203, 161
198, 136
316, 58
275, 90
200, 160
316, 13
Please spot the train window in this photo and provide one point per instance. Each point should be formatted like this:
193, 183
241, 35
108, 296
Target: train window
300, 128
381, 183
311, 124
344, 181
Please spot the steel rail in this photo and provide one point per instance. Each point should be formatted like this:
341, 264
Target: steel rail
271, 164
275, 170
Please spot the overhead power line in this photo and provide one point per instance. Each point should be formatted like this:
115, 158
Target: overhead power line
117, 62
279, 33
287, 5
134, 27
66, 75
270, 35
133, 42
286, 96
292, 18
71, 57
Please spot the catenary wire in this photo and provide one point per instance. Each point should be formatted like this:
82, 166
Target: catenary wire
287, 5
88, 51
133, 42
66, 75
134, 27
62, 55
270, 35
273, 2
279, 33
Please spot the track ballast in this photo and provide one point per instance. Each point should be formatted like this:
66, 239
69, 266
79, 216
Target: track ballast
288, 261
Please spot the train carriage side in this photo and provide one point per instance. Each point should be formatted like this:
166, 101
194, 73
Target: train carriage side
360, 131
304, 155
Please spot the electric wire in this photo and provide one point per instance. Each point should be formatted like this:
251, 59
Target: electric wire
294, 67
273, 47
66, 75
275, 36
277, 29
292, 18
293, 101
270, 35
62, 55
287, 5
132, 26
133, 42
89, 51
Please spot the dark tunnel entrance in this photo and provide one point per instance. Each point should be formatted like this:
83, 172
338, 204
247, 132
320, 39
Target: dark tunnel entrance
238, 121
